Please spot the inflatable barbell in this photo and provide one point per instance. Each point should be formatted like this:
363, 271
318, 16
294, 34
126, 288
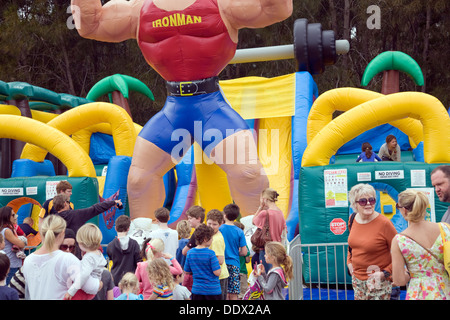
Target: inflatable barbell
313, 49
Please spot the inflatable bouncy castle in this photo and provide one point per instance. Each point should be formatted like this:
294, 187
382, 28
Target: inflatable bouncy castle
421, 124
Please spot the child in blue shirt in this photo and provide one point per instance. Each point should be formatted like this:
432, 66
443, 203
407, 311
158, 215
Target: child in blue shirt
235, 246
129, 287
367, 155
204, 266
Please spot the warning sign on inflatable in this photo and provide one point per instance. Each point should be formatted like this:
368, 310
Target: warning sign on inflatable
338, 226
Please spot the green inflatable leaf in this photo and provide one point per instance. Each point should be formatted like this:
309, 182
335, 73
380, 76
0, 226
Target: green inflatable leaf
119, 82
393, 60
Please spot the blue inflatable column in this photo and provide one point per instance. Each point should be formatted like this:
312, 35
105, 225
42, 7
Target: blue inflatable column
305, 93
115, 188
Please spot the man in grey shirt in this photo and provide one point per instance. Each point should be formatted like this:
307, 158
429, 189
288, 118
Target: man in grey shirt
440, 179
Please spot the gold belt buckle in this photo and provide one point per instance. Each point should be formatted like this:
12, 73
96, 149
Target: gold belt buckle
181, 89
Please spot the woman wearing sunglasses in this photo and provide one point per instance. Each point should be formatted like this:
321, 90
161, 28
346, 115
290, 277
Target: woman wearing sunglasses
8, 218
419, 247
370, 237
69, 243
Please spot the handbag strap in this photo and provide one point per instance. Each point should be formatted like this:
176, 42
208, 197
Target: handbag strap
442, 231
428, 250
266, 223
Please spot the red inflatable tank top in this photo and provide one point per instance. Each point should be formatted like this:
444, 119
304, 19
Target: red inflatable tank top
184, 45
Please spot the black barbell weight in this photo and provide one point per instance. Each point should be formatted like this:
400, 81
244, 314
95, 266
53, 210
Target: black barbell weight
314, 48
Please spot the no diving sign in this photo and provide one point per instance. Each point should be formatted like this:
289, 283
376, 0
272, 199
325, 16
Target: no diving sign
338, 226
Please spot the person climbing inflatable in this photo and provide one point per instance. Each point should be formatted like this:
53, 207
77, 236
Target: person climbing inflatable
188, 42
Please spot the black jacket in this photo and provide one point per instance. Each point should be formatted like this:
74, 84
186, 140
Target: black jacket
76, 218
123, 260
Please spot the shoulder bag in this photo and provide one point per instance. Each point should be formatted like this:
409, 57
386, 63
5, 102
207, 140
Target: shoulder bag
261, 235
446, 249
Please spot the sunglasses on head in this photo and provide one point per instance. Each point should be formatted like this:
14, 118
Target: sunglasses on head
363, 201
64, 247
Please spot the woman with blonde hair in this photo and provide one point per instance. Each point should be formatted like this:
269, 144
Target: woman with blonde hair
277, 223
154, 250
278, 276
419, 248
48, 271
369, 244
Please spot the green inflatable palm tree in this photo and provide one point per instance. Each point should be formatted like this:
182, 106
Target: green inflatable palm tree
391, 62
117, 87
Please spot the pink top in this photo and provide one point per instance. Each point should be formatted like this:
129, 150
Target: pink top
277, 223
145, 286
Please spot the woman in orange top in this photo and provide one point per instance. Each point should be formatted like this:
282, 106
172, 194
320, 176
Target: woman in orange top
369, 260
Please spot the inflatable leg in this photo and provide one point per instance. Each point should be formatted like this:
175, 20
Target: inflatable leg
237, 156
145, 180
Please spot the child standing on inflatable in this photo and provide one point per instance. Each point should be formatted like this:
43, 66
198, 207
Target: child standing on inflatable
276, 279
390, 151
367, 155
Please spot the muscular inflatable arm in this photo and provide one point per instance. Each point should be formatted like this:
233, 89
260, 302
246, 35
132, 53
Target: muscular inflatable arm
255, 13
116, 21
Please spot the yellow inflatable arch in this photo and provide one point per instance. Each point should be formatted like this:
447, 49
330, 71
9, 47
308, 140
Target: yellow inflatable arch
76, 119
83, 137
423, 107
9, 109
51, 139
344, 99
35, 114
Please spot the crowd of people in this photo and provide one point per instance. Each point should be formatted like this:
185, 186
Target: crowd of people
206, 257
209, 263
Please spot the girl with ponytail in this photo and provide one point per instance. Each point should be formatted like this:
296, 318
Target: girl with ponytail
279, 275
154, 250
367, 155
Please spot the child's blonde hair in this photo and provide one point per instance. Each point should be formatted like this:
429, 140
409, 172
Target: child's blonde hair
129, 281
154, 246
90, 236
278, 252
159, 273
184, 229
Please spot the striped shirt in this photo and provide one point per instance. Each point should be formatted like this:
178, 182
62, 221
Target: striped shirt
163, 292
202, 263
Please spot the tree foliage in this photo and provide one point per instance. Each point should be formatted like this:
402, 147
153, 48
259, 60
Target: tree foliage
39, 47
